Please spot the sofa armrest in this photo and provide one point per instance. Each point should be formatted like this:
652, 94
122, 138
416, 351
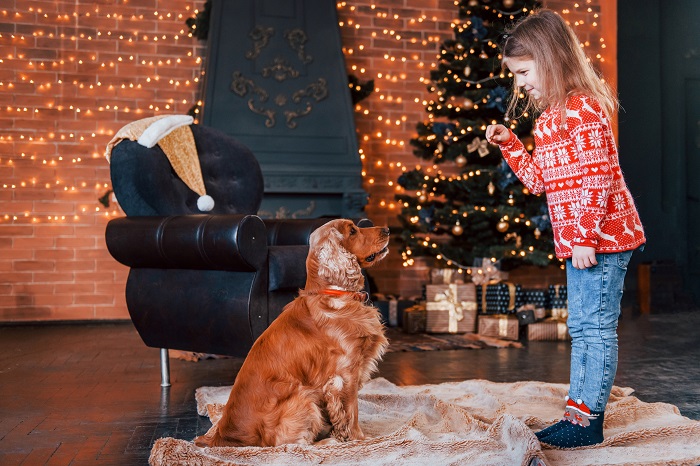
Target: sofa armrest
295, 232
204, 242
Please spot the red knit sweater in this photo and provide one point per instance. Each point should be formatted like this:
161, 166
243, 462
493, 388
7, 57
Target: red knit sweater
578, 167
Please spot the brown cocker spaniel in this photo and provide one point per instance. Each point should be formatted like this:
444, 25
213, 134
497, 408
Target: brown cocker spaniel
300, 380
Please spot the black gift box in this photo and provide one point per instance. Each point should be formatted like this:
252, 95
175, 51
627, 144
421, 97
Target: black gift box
538, 297
501, 298
392, 310
557, 297
415, 318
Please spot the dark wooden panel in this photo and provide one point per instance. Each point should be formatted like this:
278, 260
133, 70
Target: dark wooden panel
658, 62
692, 174
276, 80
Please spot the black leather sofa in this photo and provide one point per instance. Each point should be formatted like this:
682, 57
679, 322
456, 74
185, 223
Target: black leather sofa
211, 282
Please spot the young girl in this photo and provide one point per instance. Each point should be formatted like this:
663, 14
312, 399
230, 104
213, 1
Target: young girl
595, 223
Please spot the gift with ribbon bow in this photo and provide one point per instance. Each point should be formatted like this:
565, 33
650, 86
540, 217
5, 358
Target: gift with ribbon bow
502, 326
501, 298
486, 272
391, 308
448, 313
548, 330
414, 319
479, 145
558, 302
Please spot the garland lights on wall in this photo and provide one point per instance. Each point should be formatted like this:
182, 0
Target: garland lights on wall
108, 79
64, 82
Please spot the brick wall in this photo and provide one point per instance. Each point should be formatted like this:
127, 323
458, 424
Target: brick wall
72, 73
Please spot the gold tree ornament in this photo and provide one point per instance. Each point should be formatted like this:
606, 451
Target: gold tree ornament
460, 160
537, 233
502, 226
491, 188
457, 229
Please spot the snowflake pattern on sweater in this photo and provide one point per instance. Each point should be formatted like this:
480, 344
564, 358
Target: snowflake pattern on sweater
578, 169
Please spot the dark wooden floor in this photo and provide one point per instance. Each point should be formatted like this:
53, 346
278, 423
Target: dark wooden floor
90, 394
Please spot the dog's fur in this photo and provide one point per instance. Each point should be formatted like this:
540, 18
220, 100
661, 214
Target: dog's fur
300, 380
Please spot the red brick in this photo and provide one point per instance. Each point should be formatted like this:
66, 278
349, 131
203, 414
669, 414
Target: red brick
54, 254
52, 277
93, 299
28, 265
71, 266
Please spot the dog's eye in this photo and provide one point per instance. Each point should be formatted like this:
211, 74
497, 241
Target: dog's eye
352, 231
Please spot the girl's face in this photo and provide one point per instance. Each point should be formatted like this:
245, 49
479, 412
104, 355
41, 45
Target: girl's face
526, 76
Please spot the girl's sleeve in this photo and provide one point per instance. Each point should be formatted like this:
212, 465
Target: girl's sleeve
588, 128
521, 163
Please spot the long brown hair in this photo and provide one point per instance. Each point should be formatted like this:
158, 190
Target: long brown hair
562, 66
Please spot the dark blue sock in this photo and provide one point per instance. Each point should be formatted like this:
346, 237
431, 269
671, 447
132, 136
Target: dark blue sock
576, 435
571, 407
550, 430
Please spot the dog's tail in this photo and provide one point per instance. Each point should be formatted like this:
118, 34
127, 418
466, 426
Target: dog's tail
210, 439
214, 438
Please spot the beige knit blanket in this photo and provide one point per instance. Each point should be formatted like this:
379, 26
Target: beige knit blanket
474, 422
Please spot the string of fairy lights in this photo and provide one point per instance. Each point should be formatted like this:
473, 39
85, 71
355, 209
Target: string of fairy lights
77, 75
578, 16
72, 98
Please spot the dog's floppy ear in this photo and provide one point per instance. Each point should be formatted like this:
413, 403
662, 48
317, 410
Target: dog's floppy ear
336, 265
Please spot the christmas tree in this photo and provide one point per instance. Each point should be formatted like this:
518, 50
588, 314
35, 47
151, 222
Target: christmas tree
469, 205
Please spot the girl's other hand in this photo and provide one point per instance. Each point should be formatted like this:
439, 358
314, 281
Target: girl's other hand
497, 134
583, 257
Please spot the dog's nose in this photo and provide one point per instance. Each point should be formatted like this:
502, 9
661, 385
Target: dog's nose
385, 231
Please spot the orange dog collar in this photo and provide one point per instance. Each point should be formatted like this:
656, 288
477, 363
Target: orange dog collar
361, 296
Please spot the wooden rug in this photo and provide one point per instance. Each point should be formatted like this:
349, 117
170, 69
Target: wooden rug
471, 422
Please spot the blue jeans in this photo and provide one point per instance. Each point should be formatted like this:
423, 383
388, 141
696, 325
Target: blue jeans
594, 296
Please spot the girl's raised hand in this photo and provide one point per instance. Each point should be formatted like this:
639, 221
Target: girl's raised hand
497, 134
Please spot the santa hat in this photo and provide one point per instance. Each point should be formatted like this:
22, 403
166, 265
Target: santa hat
174, 136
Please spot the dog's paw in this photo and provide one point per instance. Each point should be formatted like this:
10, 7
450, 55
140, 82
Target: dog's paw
328, 441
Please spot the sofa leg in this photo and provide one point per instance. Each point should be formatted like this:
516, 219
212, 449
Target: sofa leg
164, 368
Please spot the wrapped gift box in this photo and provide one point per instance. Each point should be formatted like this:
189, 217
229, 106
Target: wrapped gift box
447, 317
447, 276
535, 305
414, 319
464, 291
557, 299
538, 297
548, 330
392, 310
500, 298
499, 326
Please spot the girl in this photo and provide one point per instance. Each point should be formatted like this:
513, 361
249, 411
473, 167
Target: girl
595, 223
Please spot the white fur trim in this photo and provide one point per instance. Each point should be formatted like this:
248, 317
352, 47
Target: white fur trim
161, 128
205, 203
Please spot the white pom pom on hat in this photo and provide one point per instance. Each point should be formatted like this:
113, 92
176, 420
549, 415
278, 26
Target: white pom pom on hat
205, 203
174, 136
